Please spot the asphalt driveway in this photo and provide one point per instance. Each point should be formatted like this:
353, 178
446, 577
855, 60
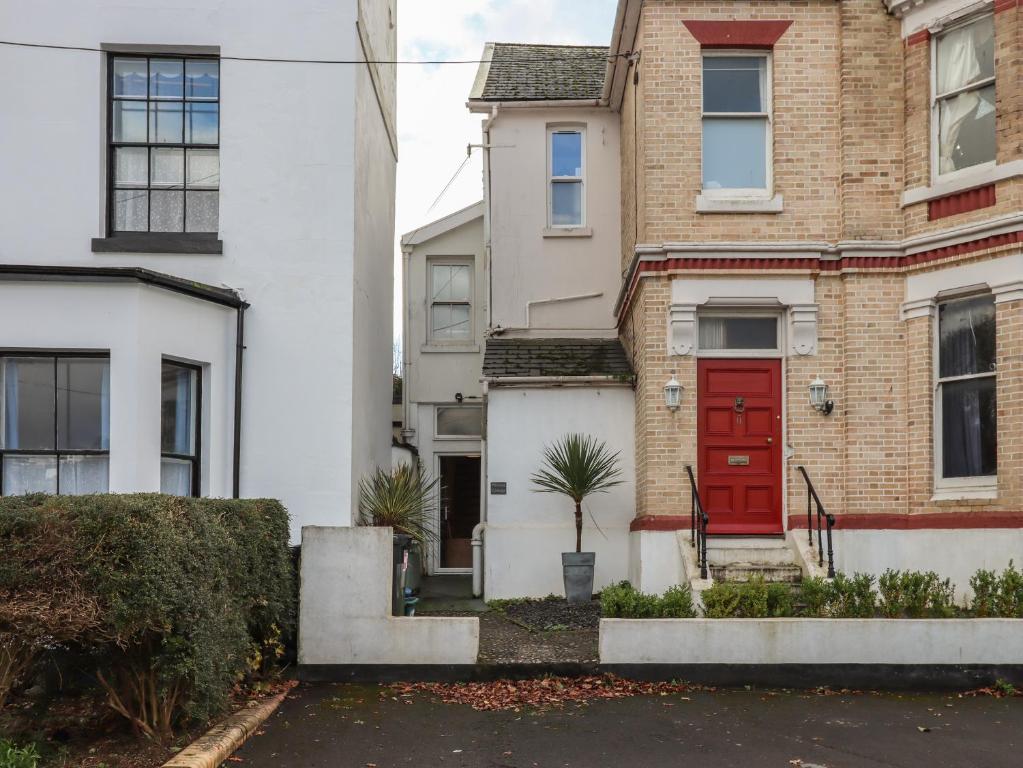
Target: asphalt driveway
338, 726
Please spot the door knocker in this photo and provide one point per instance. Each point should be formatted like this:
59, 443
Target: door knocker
740, 405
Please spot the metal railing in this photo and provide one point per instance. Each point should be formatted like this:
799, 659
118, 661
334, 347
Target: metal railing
811, 499
698, 521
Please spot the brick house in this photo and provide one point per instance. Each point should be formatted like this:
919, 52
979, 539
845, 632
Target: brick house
832, 192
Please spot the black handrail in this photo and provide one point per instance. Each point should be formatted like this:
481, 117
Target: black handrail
811, 496
698, 525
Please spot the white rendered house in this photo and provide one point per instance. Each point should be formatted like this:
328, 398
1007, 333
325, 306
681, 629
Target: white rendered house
196, 269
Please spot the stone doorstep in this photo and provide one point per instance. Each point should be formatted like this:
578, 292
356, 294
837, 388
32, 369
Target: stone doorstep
787, 574
220, 742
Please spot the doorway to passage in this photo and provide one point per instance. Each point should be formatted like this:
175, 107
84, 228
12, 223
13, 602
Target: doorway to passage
739, 444
459, 511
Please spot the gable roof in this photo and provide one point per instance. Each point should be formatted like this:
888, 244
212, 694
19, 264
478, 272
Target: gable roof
555, 357
518, 72
440, 226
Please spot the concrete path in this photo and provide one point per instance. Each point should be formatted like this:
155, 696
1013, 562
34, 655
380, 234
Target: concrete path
338, 726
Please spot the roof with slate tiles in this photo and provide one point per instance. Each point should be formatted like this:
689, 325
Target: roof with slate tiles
516, 72
555, 357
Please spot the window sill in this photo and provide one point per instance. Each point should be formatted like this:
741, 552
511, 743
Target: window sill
709, 204
975, 493
981, 178
568, 232
459, 348
159, 242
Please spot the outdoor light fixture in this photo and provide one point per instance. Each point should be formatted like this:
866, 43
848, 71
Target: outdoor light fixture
819, 396
673, 393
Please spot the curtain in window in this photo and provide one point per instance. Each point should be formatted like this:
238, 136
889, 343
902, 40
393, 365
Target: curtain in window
965, 56
712, 333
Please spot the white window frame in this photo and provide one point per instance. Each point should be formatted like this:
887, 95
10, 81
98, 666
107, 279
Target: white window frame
969, 17
768, 105
468, 262
777, 351
437, 435
947, 488
552, 130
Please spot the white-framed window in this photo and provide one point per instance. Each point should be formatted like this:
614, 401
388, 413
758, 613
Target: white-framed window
451, 287
737, 123
180, 428
458, 421
963, 97
566, 172
965, 402
747, 333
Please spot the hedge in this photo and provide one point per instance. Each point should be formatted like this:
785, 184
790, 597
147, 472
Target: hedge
175, 598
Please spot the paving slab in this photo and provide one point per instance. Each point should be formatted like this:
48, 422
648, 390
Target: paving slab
342, 725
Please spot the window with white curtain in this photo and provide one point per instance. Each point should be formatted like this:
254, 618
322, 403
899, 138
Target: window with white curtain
54, 424
738, 332
180, 414
966, 404
964, 95
451, 301
565, 178
459, 421
736, 122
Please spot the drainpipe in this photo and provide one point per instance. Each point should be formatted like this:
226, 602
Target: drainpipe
239, 354
407, 432
487, 247
481, 526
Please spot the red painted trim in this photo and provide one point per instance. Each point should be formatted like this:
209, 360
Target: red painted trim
660, 523
931, 521
737, 34
919, 37
1006, 5
962, 202
812, 263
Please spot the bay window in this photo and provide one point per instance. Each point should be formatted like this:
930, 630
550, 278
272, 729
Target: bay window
736, 123
54, 423
964, 95
180, 411
966, 403
566, 194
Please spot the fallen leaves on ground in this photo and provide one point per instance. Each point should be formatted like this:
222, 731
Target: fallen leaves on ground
542, 693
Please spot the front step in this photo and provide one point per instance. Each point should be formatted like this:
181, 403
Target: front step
778, 573
761, 551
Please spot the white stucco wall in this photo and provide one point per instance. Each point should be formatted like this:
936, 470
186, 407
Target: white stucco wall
528, 267
527, 531
307, 239
139, 326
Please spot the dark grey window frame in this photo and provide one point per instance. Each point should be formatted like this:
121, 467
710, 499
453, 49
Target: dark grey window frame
151, 242
58, 453
196, 458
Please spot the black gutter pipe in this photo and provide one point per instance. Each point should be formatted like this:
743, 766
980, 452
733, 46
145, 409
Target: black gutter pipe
238, 360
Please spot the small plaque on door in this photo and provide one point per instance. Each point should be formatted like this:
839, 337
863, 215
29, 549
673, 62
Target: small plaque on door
738, 461
498, 489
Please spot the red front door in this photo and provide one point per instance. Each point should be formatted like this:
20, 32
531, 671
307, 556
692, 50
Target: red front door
739, 444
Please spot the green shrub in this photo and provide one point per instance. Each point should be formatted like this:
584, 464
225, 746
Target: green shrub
176, 598
12, 756
915, 594
746, 600
780, 601
997, 596
623, 601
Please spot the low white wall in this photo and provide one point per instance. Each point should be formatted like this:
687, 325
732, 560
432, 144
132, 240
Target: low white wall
528, 531
344, 613
811, 641
655, 561
953, 554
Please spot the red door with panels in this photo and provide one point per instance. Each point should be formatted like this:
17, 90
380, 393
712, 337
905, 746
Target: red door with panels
739, 443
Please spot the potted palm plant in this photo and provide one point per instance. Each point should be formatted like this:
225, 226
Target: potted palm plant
577, 466
404, 499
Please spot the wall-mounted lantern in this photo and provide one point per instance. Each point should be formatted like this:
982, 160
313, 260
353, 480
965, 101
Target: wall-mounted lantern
819, 396
673, 393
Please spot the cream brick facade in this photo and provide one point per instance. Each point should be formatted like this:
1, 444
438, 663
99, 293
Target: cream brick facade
851, 127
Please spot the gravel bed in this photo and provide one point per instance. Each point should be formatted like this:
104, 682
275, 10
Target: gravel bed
553, 614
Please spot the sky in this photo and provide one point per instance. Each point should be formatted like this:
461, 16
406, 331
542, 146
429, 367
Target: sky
434, 125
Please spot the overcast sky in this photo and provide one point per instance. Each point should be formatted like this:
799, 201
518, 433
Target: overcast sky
434, 125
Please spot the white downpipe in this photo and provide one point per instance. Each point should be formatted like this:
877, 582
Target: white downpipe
477, 558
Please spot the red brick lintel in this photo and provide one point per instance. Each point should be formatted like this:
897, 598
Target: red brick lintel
858, 522
737, 34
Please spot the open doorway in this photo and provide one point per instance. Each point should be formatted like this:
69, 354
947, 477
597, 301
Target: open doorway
459, 511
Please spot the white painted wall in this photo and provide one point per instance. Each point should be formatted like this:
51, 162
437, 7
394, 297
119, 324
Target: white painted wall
527, 531
139, 325
345, 607
308, 235
528, 267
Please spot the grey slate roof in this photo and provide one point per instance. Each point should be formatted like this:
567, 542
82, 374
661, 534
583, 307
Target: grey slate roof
545, 72
555, 357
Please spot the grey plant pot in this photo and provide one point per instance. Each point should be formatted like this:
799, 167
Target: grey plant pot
578, 571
